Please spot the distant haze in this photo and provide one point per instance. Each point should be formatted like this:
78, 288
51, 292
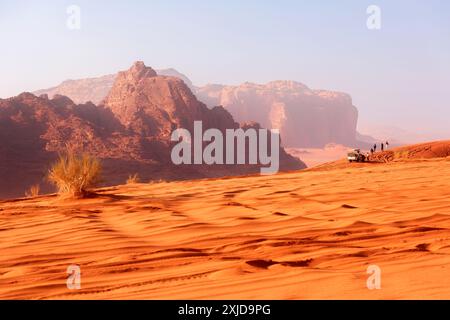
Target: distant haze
398, 76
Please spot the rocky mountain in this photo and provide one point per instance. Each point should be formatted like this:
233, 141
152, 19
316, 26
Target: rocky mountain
305, 117
130, 131
153, 106
82, 90
96, 89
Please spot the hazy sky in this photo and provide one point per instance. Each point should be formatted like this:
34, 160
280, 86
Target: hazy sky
399, 75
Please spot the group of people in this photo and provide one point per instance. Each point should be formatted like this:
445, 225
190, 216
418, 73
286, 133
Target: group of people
384, 145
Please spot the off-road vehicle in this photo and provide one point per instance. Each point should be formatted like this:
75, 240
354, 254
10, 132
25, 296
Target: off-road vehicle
356, 156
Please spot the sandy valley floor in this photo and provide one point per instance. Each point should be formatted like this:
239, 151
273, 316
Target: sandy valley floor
301, 235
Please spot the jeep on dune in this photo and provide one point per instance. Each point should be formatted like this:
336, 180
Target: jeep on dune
356, 156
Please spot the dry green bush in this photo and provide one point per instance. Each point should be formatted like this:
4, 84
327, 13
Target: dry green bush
33, 191
74, 174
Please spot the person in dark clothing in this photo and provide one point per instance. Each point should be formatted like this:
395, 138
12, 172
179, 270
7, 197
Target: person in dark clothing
371, 151
382, 147
375, 147
387, 144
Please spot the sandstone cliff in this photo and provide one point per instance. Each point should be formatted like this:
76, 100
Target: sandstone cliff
305, 117
130, 131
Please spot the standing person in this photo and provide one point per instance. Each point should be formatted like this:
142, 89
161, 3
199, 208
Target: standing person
371, 151
382, 147
375, 147
387, 144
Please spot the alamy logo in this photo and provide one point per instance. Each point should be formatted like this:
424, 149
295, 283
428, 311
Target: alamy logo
374, 280
374, 19
236, 151
74, 19
73, 281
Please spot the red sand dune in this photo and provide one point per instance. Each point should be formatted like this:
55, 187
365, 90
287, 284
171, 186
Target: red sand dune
299, 235
429, 150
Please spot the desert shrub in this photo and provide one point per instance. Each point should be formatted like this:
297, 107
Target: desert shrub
133, 179
33, 191
74, 174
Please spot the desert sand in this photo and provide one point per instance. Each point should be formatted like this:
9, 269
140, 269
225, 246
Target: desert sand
308, 234
316, 156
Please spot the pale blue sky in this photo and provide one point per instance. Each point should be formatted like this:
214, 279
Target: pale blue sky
399, 75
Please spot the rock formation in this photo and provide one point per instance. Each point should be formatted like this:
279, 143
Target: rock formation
96, 89
130, 131
305, 117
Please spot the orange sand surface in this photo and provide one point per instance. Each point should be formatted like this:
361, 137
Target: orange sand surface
301, 235
315, 156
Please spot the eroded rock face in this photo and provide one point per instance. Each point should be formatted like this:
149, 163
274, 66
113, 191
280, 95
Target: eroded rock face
130, 131
34, 129
153, 106
305, 117
82, 90
97, 88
